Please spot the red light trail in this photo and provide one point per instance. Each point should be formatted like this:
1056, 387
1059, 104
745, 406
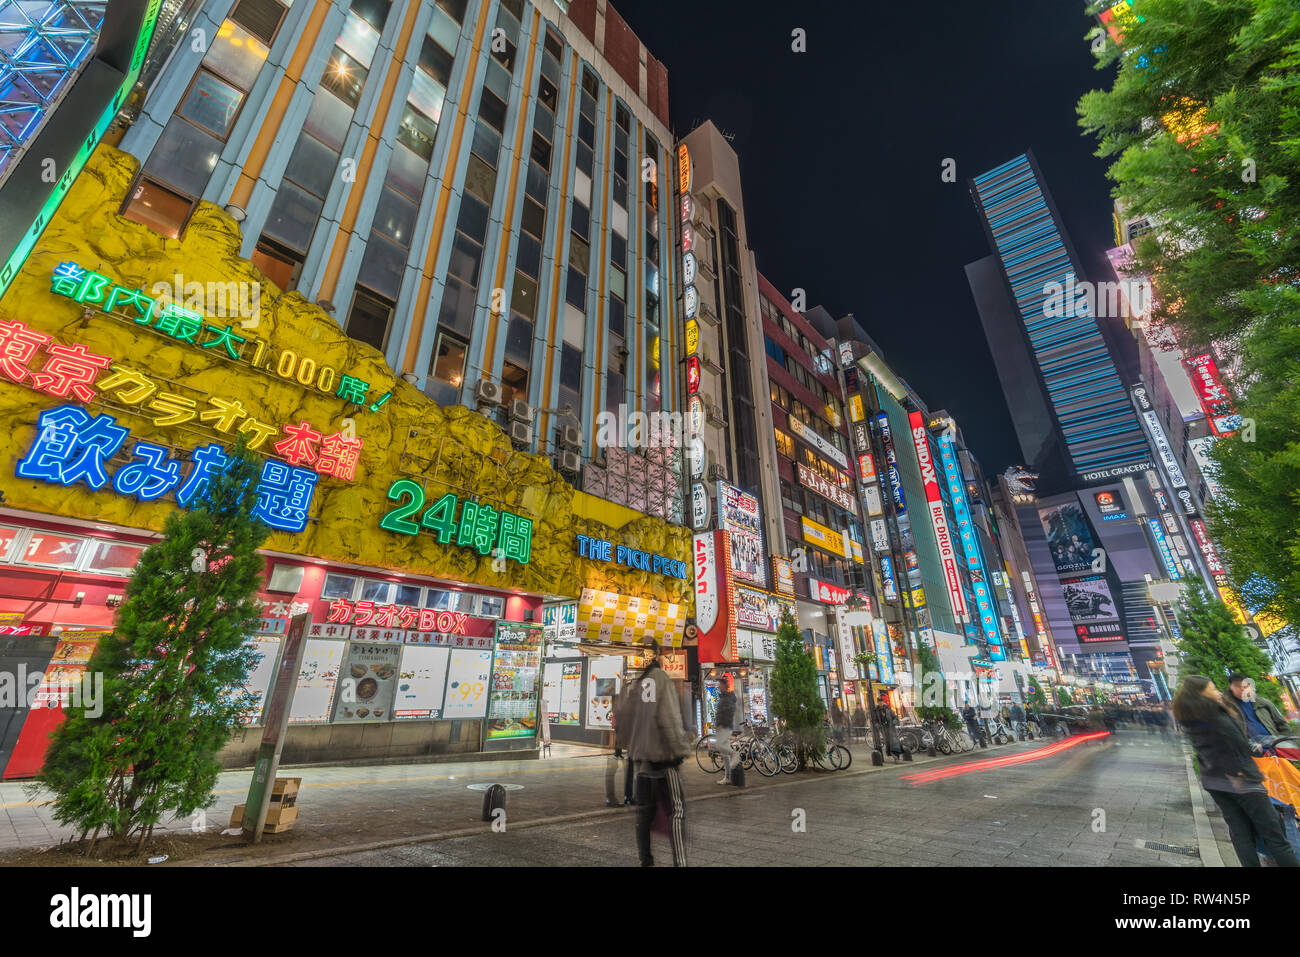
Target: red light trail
1025, 757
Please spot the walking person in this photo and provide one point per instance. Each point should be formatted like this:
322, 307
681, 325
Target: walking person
657, 743
1017, 719
723, 725
1229, 772
1263, 718
621, 720
889, 725
972, 723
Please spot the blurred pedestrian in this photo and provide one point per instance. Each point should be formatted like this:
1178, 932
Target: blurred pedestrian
657, 743
723, 725
888, 722
1263, 718
621, 720
1229, 772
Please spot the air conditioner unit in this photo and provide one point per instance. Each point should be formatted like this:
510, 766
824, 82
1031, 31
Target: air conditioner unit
521, 433
713, 412
570, 437
717, 472
707, 314
521, 411
487, 392
707, 359
570, 462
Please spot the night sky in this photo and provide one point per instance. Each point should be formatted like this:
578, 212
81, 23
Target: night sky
840, 152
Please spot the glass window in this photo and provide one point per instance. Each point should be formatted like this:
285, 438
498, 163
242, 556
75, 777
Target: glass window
445, 30
381, 269
576, 290
514, 383
408, 595
466, 256
529, 255
376, 591
571, 368
52, 550
449, 360
523, 299
487, 143
416, 132
455, 9
358, 38
497, 80
312, 165
544, 122
338, 586
533, 217
492, 110
427, 95
579, 254
548, 93
581, 221
541, 151
395, 215
158, 208
519, 341
617, 316
184, 157
236, 54
457, 310
368, 321
480, 179
489, 606
408, 172
211, 103
328, 120
473, 218
293, 216
618, 250
112, 558
344, 77
538, 179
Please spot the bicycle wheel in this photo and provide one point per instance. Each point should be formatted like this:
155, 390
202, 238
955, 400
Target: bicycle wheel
944, 743
966, 741
846, 757
789, 760
747, 757
765, 759
909, 742
710, 761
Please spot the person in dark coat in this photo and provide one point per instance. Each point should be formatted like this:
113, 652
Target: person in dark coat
1229, 772
889, 728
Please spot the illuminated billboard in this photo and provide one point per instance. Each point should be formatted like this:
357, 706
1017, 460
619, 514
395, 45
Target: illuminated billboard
938, 517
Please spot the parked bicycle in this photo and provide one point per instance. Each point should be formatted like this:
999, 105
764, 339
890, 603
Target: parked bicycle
836, 757
915, 737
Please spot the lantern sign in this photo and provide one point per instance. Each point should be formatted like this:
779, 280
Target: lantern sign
688, 237
689, 267
696, 414
692, 336
693, 375
690, 301
697, 457
700, 507
683, 172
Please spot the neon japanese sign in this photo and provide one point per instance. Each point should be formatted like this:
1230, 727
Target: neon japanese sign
481, 527
397, 616
72, 447
938, 517
70, 371
175, 322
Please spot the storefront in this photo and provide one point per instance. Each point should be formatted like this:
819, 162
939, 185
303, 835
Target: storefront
423, 545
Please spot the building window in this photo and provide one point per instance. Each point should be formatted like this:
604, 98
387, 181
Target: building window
369, 319
278, 264
784, 445
157, 207
449, 360
514, 383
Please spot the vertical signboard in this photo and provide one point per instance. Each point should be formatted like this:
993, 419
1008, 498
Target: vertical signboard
715, 612
740, 515
985, 607
891, 463
938, 518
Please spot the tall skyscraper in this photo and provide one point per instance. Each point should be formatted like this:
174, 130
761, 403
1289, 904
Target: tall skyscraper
1071, 410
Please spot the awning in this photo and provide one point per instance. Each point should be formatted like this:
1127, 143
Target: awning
608, 617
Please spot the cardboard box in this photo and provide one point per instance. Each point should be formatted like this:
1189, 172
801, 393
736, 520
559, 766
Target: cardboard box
278, 818
285, 791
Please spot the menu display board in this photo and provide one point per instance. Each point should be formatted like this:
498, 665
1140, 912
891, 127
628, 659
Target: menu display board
468, 675
513, 710
368, 682
317, 679
562, 692
267, 651
602, 688
421, 682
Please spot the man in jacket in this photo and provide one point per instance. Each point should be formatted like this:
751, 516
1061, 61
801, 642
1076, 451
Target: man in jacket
1263, 719
657, 743
972, 722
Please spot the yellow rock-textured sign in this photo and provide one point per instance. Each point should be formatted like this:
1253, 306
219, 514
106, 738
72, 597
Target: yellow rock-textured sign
409, 436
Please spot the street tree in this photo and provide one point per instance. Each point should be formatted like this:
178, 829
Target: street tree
796, 700
1202, 123
173, 669
936, 700
1214, 645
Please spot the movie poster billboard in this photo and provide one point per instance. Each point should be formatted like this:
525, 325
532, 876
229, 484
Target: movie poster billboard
1069, 537
1092, 608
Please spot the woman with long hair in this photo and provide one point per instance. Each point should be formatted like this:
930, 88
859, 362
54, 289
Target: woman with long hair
1229, 772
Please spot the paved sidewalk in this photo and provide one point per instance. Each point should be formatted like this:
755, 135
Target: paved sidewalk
347, 806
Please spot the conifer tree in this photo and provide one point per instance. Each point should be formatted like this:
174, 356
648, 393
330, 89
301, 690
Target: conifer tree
796, 700
173, 670
1214, 645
